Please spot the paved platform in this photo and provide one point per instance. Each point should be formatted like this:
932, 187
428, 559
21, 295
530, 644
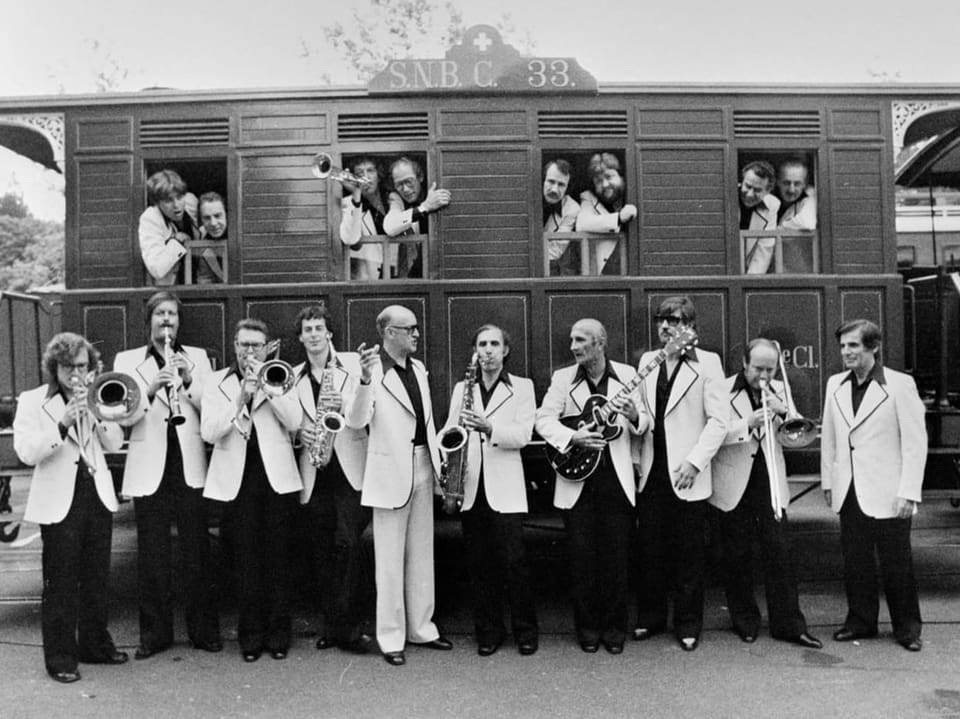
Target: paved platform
723, 678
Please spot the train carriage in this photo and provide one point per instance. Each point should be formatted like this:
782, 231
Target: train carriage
483, 122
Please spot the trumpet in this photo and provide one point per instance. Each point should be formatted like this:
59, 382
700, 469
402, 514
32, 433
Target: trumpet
275, 377
176, 417
795, 431
324, 169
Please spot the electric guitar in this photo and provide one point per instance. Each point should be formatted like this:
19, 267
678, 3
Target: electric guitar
598, 415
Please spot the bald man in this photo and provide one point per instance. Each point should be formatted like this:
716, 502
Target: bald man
597, 513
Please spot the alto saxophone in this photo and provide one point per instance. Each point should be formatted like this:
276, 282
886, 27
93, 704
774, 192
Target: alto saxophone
327, 424
453, 443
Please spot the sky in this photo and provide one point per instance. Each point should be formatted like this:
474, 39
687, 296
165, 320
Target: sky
52, 46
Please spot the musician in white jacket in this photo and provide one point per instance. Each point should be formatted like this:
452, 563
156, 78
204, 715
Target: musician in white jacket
598, 512
498, 423
253, 469
750, 490
164, 473
327, 384
71, 498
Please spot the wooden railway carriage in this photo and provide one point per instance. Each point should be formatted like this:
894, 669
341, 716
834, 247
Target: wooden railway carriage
486, 137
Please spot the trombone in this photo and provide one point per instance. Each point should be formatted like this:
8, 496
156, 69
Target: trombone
108, 397
770, 450
275, 377
324, 169
795, 431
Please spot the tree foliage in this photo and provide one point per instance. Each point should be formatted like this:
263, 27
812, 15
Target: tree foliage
31, 250
383, 30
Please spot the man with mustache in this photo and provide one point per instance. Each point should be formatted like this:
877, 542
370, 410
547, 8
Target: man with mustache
560, 213
165, 472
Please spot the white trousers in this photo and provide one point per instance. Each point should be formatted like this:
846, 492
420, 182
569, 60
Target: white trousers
403, 551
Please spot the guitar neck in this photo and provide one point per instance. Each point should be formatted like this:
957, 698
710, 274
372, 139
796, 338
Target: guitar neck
607, 411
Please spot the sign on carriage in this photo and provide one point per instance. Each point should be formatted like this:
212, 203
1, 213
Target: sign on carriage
483, 64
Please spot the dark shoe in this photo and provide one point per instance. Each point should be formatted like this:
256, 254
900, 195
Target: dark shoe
326, 643
643, 633
441, 643
250, 657
843, 634
397, 659
213, 647
745, 635
485, 650
363, 644
114, 657
806, 640
590, 646
65, 677
278, 653
145, 652
688, 644
613, 647
912, 645
528, 647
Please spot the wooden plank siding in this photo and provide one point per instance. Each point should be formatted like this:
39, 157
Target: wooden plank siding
485, 232
104, 222
857, 209
284, 233
682, 210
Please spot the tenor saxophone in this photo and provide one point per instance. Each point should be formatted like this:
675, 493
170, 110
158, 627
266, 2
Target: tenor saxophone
453, 447
328, 423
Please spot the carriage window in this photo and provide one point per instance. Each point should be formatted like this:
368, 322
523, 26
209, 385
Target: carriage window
183, 231
778, 213
386, 203
585, 213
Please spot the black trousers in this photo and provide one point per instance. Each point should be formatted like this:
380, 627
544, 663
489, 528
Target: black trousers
174, 502
671, 550
76, 570
860, 537
260, 521
751, 521
497, 562
599, 530
337, 522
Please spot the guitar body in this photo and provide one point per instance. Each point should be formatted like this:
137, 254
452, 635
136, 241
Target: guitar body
577, 463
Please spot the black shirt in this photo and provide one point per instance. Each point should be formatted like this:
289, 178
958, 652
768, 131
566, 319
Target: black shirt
858, 390
409, 380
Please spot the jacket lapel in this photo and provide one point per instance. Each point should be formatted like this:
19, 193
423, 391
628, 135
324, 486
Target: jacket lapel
391, 382
875, 396
501, 393
579, 394
147, 371
686, 376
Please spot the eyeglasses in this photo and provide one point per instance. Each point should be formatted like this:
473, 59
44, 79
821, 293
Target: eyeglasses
409, 329
255, 346
670, 320
79, 367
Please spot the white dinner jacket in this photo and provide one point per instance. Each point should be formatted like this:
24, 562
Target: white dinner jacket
695, 420
595, 217
147, 449
563, 218
385, 406
881, 450
275, 419
568, 395
37, 442
511, 412
763, 217
350, 444
734, 460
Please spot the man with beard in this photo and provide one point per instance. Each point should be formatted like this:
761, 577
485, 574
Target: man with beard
164, 473
410, 206
758, 211
604, 211
362, 211
559, 215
